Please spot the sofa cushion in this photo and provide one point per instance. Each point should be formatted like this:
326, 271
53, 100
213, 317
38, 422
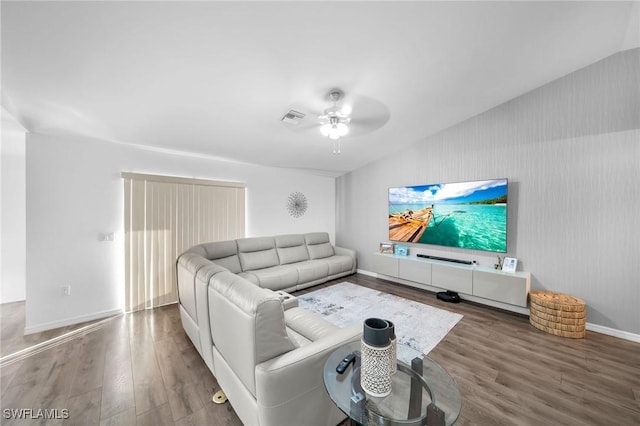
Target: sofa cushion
338, 264
318, 245
223, 253
312, 270
257, 253
250, 276
297, 339
232, 263
291, 249
283, 277
308, 324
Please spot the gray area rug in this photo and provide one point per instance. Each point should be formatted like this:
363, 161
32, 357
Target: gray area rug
417, 325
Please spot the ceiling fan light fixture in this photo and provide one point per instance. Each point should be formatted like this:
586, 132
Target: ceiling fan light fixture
335, 121
333, 134
334, 129
341, 129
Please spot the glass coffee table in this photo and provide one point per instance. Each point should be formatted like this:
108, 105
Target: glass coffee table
422, 393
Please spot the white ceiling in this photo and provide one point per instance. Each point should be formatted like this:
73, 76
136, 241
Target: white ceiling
214, 78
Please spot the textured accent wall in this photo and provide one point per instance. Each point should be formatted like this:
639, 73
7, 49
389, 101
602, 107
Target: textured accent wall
571, 152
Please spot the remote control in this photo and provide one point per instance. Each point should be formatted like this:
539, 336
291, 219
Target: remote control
342, 367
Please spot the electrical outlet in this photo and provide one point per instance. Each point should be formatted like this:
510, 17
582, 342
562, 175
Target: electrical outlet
66, 290
108, 236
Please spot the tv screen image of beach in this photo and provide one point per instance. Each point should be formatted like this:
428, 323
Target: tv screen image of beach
470, 215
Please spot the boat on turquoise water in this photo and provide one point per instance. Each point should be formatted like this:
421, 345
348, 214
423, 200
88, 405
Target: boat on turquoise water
409, 225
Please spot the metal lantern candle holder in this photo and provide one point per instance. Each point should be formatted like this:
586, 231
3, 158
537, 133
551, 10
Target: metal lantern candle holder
378, 357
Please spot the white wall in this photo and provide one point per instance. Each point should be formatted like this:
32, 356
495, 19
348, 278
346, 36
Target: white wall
571, 152
12, 219
74, 193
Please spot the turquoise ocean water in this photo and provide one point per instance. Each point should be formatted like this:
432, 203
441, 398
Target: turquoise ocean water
470, 226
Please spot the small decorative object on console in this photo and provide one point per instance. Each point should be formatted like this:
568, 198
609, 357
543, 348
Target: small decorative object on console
499, 264
402, 250
509, 264
387, 248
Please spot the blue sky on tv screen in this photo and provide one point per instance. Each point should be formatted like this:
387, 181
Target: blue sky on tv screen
449, 193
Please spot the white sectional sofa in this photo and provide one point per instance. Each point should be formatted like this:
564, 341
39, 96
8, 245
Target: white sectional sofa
283, 262
266, 355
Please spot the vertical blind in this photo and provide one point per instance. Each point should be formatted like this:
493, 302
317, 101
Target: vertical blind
163, 217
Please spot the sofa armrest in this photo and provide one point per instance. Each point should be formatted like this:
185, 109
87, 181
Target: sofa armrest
342, 251
288, 300
187, 267
292, 377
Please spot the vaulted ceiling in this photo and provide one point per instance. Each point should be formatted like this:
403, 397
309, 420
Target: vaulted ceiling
215, 78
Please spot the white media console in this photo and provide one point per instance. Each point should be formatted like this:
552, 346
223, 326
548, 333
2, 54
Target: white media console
480, 281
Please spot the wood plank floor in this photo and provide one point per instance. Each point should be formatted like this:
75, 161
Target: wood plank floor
12, 324
139, 369
142, 369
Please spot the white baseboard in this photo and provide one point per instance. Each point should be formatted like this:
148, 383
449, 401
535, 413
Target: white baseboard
613, 332
71, 321
589, 326
371, 274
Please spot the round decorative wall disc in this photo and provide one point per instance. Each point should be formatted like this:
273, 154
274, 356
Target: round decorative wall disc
297, 204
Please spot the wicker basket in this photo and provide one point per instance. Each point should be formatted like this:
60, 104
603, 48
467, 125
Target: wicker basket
558, 314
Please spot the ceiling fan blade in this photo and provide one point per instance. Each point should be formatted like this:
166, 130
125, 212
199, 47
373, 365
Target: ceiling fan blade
366, 114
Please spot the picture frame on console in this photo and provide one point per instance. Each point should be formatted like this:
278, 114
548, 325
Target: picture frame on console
402, 250
387, 248
509, 264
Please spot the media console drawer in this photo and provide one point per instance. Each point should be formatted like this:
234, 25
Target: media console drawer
452, 278
386, 265
502, 286
413, 270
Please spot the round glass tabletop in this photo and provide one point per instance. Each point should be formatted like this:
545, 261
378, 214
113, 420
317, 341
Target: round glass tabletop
424, 394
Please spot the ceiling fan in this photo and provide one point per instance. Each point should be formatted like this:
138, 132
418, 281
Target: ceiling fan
334, 121
348, 116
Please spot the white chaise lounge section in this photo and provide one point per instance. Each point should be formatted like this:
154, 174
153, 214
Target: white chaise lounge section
216, 282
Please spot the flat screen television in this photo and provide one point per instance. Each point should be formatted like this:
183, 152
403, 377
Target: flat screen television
469, 215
